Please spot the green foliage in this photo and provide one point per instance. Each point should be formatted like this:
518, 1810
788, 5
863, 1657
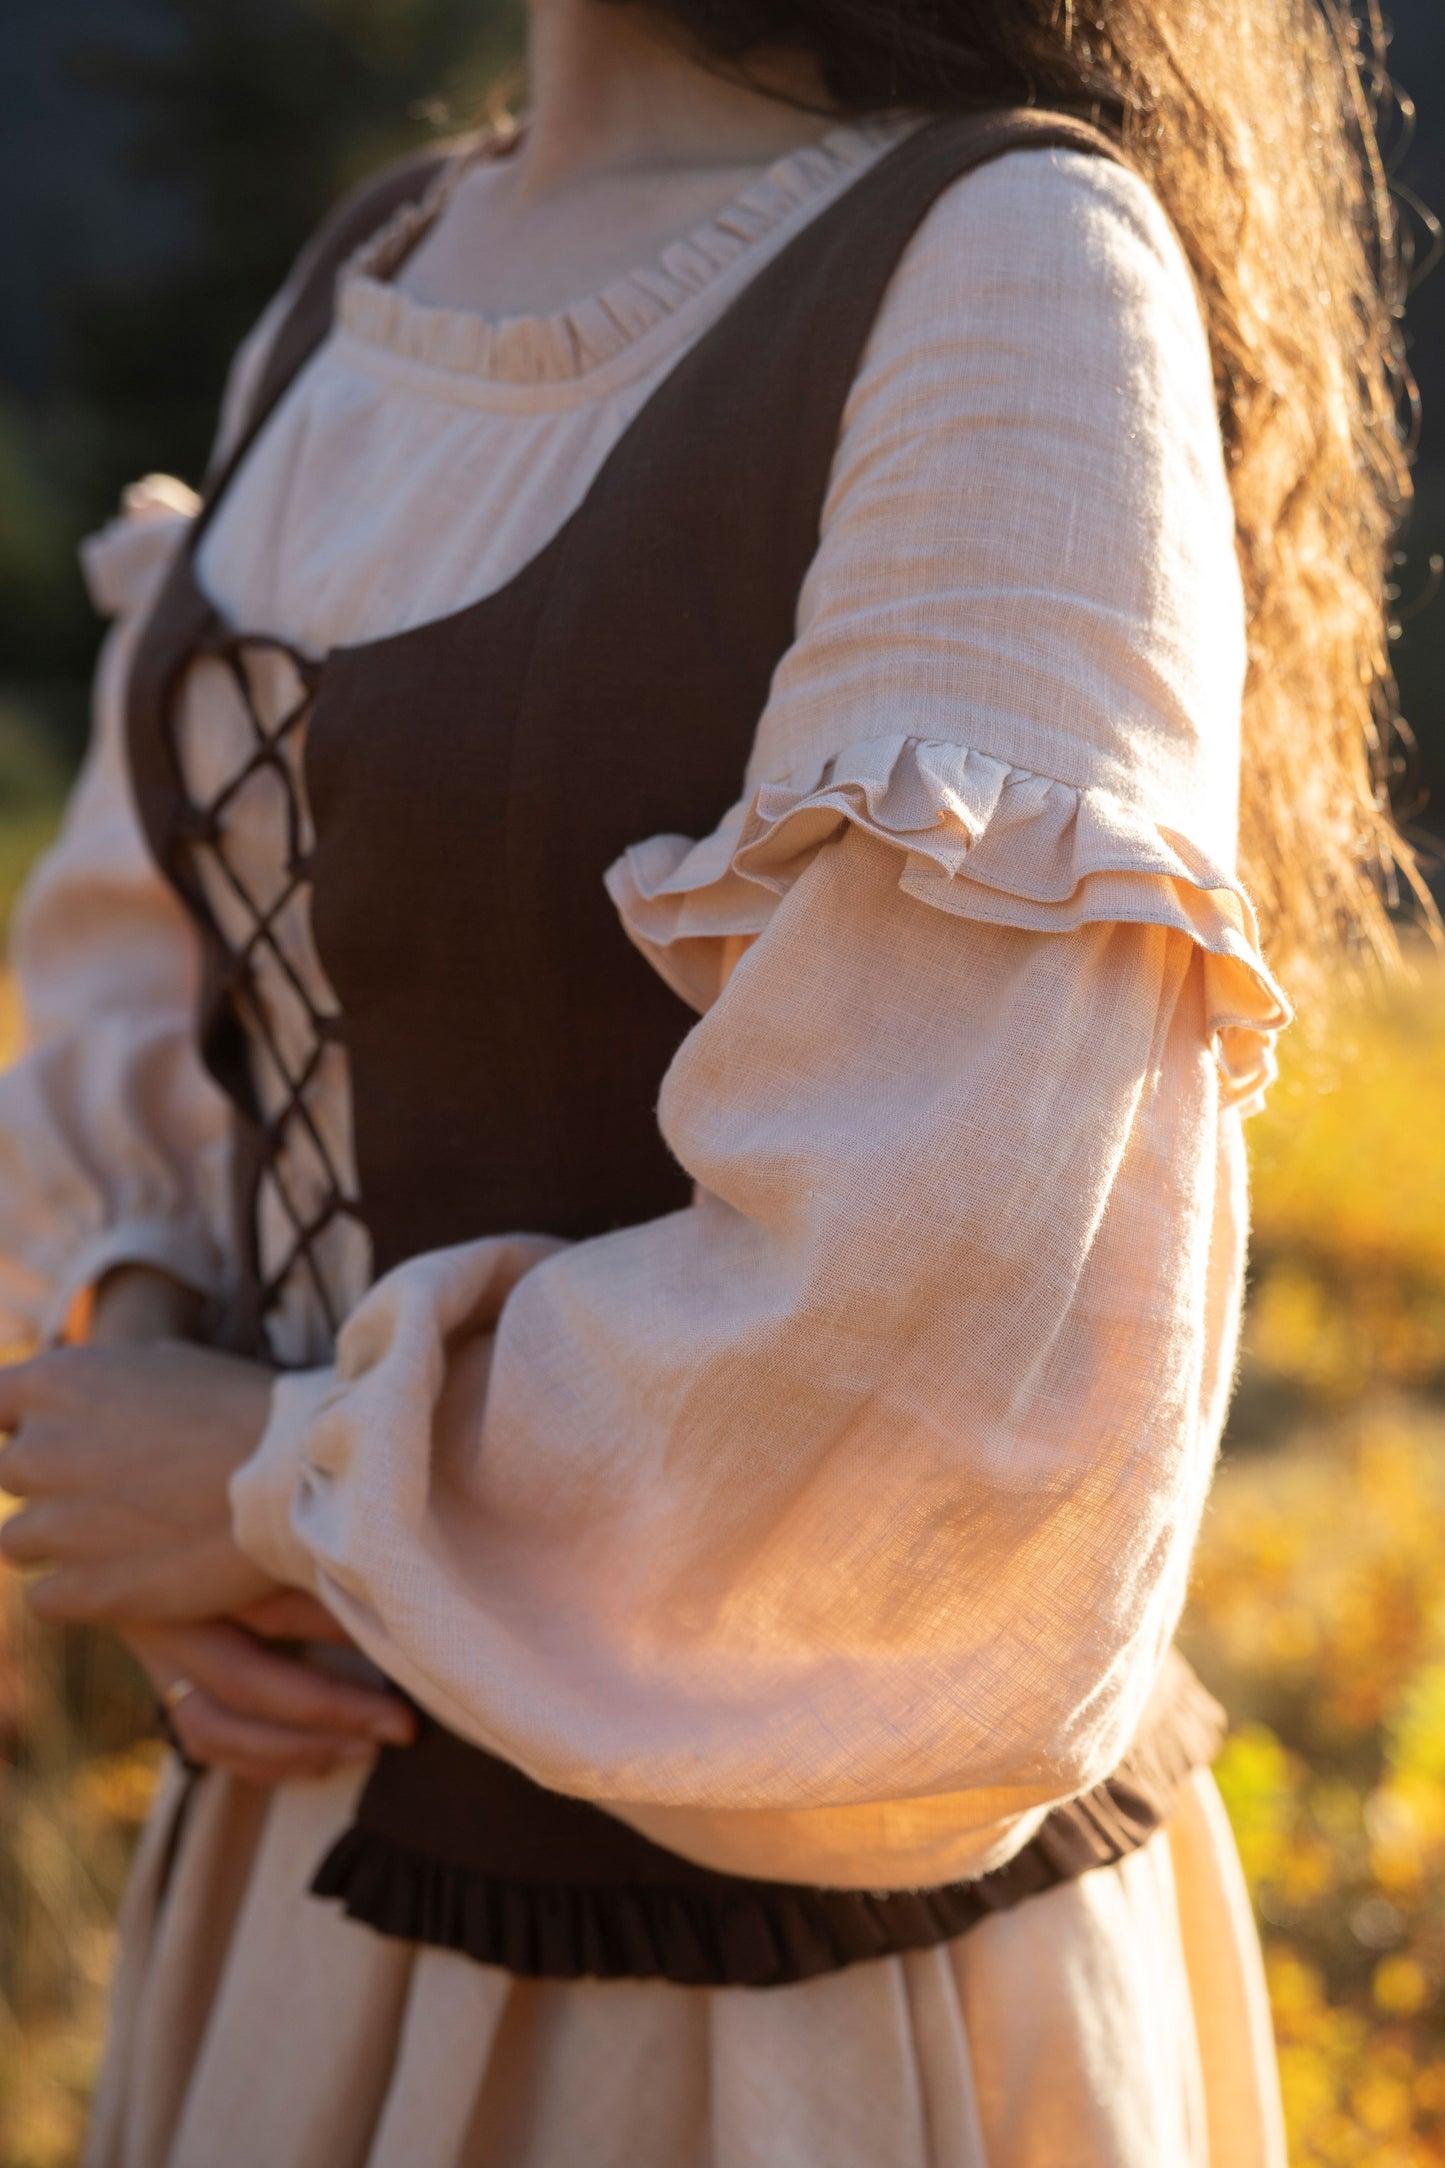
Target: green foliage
259, 118
254, 119
33, 777
38, 586
31, 530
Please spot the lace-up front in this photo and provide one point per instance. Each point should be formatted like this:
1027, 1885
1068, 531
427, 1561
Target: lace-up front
267, 981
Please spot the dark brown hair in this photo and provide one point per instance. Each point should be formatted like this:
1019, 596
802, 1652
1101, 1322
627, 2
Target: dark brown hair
1255, 123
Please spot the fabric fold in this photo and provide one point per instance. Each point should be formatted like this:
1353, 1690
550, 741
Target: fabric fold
978, 838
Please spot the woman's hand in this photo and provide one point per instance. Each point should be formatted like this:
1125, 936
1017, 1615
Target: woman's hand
123, 1456
258, 1715
125, 1460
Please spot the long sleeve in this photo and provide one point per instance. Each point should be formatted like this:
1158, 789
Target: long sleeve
112, 1136
837, 1525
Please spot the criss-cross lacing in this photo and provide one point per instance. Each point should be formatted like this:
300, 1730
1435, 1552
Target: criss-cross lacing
289, 1119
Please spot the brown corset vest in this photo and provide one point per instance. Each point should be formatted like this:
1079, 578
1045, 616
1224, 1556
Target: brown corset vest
469, 783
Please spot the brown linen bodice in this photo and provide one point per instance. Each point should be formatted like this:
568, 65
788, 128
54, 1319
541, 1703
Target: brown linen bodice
469, 783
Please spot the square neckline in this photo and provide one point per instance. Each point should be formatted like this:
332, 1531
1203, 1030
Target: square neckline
599, 330
342, 654
224, 631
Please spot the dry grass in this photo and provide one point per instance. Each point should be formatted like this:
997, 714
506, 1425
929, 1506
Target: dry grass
74, 1789
77, 1766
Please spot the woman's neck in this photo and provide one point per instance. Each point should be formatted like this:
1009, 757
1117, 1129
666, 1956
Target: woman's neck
628, 142
614, 93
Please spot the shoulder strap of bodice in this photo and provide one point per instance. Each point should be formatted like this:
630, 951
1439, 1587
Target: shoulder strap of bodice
812, 309
707, 512
354, 221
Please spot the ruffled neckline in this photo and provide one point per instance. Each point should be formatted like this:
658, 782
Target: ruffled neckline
592, 331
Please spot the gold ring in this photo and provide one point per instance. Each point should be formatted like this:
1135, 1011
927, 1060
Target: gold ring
174, 1694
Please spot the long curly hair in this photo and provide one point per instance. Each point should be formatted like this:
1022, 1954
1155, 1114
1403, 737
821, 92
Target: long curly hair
1255, 121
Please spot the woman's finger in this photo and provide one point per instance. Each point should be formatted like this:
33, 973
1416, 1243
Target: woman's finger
16, 1383
28, 1537
239, 1674
51, 1380
47, 1454
70, 1531
140, 1583
255, 1751
25, 1461
292, 1615
254, 1681
12, 1466
206, 1732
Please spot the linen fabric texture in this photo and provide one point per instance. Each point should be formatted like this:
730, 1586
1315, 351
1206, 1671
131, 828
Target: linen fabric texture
836, 1526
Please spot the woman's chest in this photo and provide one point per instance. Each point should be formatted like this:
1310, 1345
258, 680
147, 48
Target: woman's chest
382, 497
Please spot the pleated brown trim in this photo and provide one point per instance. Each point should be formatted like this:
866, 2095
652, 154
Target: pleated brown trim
731, 1932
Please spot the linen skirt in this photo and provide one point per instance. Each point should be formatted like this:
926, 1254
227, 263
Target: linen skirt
1119, 2021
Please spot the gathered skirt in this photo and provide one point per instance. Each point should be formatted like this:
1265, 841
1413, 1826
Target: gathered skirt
1119, 2021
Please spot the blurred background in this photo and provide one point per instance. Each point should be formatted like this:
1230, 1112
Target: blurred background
160, 161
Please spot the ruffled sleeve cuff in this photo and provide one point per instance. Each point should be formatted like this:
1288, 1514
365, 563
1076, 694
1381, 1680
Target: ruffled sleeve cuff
124, 560
975, 837
264, 1488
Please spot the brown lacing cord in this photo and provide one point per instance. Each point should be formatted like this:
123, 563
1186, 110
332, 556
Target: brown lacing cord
203, 831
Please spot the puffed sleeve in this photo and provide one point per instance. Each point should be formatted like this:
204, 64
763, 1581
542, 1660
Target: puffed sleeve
113, 1138
836, 1526
111, 1134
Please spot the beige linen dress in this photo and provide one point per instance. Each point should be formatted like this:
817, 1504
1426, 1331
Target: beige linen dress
836, 1527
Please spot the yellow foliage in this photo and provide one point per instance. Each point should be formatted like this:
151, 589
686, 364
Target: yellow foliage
1400, 1986
70, 1799
9, 1018
1318, 1610
1349, 1201
1349, 1156
118, 1788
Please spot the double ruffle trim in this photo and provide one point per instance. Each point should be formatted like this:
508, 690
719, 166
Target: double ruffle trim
978, 838
735, 1933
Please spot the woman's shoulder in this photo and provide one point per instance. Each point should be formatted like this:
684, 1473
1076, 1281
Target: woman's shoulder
1043, 346
1028, 546
385, 195
380, 208
1048, 249
1043, 191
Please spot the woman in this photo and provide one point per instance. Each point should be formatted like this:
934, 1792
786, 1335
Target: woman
774, 1502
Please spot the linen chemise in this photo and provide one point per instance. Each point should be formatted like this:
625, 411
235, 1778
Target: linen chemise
833, 1528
